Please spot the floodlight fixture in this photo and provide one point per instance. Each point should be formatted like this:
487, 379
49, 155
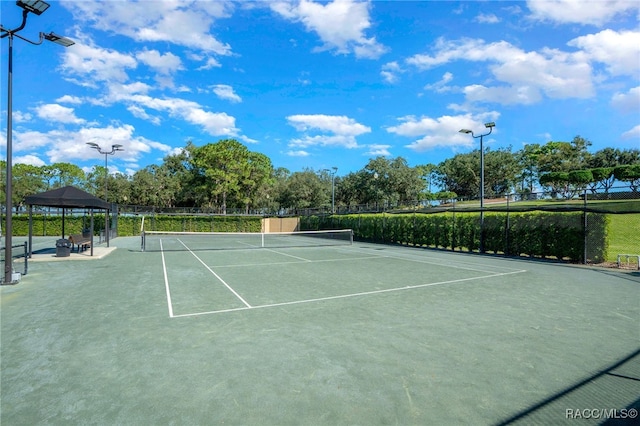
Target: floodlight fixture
490, 125
37, 7
57, 39
114, 148
465, 131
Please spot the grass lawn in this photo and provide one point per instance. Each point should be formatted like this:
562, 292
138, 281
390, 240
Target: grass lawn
624, 231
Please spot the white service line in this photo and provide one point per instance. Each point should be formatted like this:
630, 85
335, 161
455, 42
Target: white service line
286, 254
216, 275
344, 296
166, 282
246, 265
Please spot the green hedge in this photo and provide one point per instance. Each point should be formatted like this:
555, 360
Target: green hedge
535, 234
51, 225
202, 223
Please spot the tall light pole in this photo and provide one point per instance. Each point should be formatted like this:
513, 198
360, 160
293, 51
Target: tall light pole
37, 7
333, 189
489, 126
114, 148
332, 172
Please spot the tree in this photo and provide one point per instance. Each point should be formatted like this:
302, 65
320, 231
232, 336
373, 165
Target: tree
27, 180
556, 181
564, 156
461, 174
629, 173
500, 171
256, 180
223, 166
578, 180
303, 190
528, 162
602, 177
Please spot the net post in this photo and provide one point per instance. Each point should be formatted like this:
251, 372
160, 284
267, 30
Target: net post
262, 238
142, 239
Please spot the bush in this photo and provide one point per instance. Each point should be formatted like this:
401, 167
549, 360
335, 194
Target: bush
534, 234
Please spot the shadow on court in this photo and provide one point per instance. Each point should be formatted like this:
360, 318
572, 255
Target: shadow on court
608, 390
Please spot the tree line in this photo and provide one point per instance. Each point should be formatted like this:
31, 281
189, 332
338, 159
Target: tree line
226, 176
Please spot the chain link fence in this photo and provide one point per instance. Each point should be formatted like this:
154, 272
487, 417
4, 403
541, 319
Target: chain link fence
585, 228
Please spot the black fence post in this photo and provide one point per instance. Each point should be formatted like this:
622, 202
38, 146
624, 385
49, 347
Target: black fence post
584, 226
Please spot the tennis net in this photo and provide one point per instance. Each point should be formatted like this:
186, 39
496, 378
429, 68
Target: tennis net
180, 241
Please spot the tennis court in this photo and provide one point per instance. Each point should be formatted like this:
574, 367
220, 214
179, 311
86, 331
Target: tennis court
248, 330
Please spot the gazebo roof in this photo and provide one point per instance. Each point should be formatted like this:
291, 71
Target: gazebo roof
68, 196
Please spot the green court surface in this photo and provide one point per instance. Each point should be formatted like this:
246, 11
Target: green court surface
354, 334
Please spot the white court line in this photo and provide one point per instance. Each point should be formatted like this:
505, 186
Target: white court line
290, 255
243, 265
216, 275
166, 282
344, 296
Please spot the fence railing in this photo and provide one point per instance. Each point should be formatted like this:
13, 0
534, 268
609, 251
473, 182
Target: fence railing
19, 262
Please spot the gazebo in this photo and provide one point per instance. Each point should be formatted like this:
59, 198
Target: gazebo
66, 197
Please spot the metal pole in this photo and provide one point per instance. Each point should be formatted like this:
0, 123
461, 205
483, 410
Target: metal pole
333, 193
106, 175
481, 195
8, 261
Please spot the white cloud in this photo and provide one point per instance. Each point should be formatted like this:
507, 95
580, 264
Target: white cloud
30, 159
297, 153
338, 124
376, 150
627, 102
506, 95
247, 139
185, 23
86, 61
338, 130
340, 24
579, 11
524, 75
226, 92
58, 113
633, 134
139, 112
68, 99
489, 18
210, 63
618, 51
19, 116
442, 131
66, 145
164, 64
441, 85
390, 72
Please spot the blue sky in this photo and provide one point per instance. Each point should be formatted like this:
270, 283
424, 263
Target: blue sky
320, 84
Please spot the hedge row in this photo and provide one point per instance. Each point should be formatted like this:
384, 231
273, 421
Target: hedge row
539, 234
51, 225
202, 223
